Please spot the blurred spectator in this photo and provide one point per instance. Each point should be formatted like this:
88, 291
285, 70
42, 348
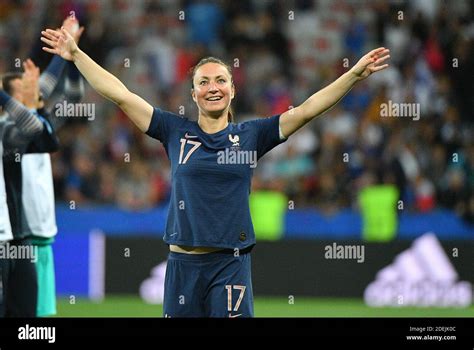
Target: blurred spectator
425, 194
82, 181
205, 21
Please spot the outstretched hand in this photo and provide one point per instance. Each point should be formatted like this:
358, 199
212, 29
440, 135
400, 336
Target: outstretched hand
61, 43
32, 72
30, 83
371, 63
71, 24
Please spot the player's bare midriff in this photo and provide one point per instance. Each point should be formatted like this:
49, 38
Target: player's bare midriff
192, 250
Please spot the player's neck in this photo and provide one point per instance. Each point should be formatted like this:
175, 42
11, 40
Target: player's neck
212, 125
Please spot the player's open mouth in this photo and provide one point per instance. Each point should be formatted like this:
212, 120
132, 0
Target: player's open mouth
214, 98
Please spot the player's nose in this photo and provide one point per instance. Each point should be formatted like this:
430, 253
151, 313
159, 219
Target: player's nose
213, 87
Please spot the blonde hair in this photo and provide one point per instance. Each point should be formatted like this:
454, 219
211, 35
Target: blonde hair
210, 59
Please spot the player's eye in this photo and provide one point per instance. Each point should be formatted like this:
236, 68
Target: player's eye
203, 82
222, 81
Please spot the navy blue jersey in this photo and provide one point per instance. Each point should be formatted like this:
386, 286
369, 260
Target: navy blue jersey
211, 178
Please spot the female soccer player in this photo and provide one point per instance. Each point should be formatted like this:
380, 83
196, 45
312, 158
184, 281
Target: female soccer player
209, 230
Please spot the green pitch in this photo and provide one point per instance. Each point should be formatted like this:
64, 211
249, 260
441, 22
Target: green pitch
131, 306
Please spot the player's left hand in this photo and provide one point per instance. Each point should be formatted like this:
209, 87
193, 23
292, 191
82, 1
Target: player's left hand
371, 63
61, 43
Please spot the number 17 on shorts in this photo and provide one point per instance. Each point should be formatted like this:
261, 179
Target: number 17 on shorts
235, 296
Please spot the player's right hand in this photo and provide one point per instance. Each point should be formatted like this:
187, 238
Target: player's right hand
61, 43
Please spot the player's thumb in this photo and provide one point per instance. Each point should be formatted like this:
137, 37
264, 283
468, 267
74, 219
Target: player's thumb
79, 33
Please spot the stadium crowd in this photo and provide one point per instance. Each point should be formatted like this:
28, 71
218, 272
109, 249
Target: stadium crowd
281, 52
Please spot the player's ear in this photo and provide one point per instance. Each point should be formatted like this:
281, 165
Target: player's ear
193, 94
232, 95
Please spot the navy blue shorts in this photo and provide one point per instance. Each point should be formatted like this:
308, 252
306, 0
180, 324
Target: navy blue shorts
216, 284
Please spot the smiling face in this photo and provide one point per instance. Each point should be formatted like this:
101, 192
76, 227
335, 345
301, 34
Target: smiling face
213, 89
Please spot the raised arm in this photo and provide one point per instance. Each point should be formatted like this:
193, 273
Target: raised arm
325, 99
137, 109
23, 126
74, 85
47, 140
51, 75
73, 90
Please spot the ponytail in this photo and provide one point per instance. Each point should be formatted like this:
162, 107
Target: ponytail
230, 115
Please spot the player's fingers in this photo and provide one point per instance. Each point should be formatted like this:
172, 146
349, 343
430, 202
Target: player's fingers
31, 64
47, 49
27, 67
374, 54
377, 50
49, 35
49, 42
381, 60
379, 68
54, 33
382, 53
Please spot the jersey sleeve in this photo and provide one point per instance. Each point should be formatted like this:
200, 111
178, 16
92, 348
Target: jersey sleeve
162, 124
14, 142
268, 133
47, 141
